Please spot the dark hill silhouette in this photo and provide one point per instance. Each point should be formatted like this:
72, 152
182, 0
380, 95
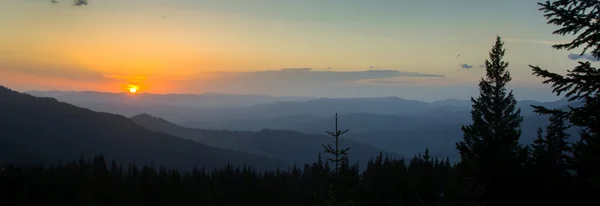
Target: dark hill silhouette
290, 146
44, 130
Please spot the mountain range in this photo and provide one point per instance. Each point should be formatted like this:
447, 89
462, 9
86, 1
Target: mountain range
206, 100
290, 146
393, 124
44, 130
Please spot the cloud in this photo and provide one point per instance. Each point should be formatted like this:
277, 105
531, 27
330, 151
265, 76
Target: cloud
285, 81
67, 73
534, 41
132, 79
296, 69
310, 75
64, 72
482, 66
466, 66
588, 57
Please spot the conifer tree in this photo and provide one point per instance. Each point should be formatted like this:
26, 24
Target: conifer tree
339, 187
339, 154
490, 150
550, 172
579, 18
549, 151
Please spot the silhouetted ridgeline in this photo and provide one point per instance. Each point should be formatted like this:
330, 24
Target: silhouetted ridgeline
392, 124
289, 146
43, 130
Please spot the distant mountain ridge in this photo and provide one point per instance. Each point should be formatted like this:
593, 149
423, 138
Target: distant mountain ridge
182, 100
44, 130
391, 123
290, 146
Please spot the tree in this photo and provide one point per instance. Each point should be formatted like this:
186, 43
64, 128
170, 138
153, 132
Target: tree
549, 151
550, 172
340, 155
342, 178
579, 18
490, 150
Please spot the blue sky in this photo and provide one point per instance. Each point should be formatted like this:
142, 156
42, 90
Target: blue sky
185, 46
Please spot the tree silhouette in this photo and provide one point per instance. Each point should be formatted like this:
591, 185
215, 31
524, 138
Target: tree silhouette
550, 149
340, 155
550, 172
580, 19
341, 185
491, 143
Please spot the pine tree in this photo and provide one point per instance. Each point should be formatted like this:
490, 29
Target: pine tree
339, 187
550, 172
490, 150
550, 151
580, 18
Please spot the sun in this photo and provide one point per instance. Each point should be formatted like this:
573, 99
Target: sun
132, 89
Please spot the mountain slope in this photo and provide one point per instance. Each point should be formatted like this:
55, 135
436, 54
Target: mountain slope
43, 130
290, 146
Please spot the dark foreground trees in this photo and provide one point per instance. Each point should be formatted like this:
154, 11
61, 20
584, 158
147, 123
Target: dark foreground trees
94, 182
491, 155
580, 18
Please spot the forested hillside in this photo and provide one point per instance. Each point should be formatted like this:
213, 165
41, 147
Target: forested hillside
289, 146
43, 130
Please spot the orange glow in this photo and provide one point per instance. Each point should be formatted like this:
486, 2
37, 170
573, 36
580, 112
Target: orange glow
132, 88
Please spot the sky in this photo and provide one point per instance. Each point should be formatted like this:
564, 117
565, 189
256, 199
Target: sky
424, 50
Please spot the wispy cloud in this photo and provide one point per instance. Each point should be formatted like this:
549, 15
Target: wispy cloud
132, 79
67, 73
298, 80
309, 74
296, 69
534, 41
588, 57
466, 66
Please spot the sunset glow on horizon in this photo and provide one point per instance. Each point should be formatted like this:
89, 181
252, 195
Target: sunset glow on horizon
133, 89
187, 46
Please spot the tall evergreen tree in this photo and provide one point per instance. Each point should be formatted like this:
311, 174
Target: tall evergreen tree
550, 172
342, 178
490, 150
339, 154
581, 19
